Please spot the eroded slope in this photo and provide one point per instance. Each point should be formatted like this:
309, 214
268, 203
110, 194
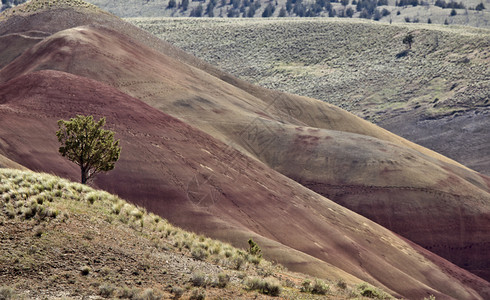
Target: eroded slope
163, 158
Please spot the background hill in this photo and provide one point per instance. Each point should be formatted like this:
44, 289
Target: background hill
211, 171
466, 12
436, 94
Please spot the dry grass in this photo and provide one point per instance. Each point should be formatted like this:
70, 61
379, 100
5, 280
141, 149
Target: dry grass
66, 239
158, 8
37, 5
350, 63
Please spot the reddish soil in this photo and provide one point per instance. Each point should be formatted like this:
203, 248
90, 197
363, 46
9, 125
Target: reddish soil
237, 191
201, 184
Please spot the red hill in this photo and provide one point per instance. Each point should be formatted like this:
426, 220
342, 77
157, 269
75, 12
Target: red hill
221, 169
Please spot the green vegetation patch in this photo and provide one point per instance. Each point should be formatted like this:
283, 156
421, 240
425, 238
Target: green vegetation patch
65, 236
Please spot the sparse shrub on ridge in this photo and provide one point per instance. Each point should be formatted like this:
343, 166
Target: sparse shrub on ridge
306, 286
198, 294
223, 280
148, 294
6, 293
199, 279
268, 286
199, 253
341, 284
319, 287
106, 290
85, 270
177, 291
369, 291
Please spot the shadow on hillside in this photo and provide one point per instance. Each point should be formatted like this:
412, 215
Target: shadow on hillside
403, 53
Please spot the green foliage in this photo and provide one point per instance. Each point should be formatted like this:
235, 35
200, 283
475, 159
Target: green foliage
87, 144
172, 4
6, 293
198, 279
342, 284
408, 40
177, 291
149, 294
85, 270
266, 286
318, 287
223, 280
199, 253
306, 286
254, 249
198, 294
369, 291
106, 290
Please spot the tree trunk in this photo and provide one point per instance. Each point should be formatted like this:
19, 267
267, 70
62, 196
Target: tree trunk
84, 175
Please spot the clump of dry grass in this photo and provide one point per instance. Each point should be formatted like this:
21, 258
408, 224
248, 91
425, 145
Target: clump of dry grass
267, 286
41, 201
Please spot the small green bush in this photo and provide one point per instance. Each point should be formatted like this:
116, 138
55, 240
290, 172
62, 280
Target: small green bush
177, 291
6, 293
319, 287
127, 293
198, 294
199, 253
306, 286
198, 279
149, 294
106, 290
369, 291
267, 286
85, 270
223, 280
254, 249
237, 260
342, 284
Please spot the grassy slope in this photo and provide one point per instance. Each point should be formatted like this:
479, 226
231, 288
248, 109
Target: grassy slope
158, 8
353, 64
53, 230
437, 15
333, 60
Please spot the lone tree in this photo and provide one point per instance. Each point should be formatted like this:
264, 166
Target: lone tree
87, 144
408, 40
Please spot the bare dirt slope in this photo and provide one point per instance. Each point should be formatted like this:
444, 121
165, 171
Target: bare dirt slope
267, 126
237, 192
436, 94
163, 160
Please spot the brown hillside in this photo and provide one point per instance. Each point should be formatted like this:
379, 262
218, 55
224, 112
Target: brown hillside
245, 193
161, 159
264, 126
435, 95
7, 163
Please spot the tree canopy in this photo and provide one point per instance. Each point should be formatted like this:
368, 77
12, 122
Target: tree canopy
86, 143
408, 40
